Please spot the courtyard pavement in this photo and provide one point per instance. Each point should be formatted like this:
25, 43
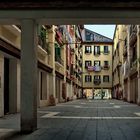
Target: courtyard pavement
80, 120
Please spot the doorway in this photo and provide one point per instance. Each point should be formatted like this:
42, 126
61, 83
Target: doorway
6, 86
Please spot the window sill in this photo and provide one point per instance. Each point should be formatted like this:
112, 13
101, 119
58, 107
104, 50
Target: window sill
96, 54
88, 52
106, 53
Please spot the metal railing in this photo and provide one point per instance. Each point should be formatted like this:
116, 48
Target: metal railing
59, 60
97, 82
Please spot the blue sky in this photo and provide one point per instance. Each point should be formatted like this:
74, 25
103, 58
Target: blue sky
106, 30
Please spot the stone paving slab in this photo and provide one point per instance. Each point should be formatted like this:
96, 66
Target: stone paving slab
7, 133
86, 120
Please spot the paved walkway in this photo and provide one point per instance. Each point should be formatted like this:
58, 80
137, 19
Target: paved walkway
83, 120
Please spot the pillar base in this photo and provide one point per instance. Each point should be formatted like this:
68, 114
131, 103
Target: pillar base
26, 129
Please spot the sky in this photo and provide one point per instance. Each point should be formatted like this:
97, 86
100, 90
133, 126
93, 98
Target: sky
106, 30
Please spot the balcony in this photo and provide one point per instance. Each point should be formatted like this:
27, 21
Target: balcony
43, 44
90, 68
133, 67
106, 66
97, 53
97, 68
106, 52
80, 63
59, 61
59, 37
133, 34
72, 51
87, 52
97, 81
119, 64
125, 52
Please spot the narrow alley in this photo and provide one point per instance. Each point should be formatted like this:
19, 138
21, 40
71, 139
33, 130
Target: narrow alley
83, 120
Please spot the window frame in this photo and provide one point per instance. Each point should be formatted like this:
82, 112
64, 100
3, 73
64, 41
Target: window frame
98, 52
107, 63
88, 78
97, 78
106, 52
97, 61
88, 49
88, 61
105, 80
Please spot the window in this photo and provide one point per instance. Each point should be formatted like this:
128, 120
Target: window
96, 50
105, 78
134, 52
87, 63
97, 77
87, 49
106, 63
57, 51
87, 78
96, 63
88, 36
106, 49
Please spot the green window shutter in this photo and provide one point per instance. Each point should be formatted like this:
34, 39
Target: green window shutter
57, 51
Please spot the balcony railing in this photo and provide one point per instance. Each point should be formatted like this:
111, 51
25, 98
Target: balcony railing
72, 50
90, 68
43, 43
106, 52
133, 34
59, 37
97, 68
125, 52
133, 67
87, 51
97, 82
59, 60
80, 63
106, 66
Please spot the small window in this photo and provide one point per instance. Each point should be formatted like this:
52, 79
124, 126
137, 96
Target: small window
96, 50
87, 78
106, 63
96, 63
88, 36
105, 78
88, 49
87, 63
97, 77
106, 49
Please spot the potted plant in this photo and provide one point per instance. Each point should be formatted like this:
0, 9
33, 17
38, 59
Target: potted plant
52, 100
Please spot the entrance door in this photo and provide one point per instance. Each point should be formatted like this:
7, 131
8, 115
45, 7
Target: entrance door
6, 85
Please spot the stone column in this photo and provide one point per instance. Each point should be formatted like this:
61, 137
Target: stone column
138, 62
38, 88
28, 76
53, 61
18, 85
1, 85
129, 90
13, 85
129, 57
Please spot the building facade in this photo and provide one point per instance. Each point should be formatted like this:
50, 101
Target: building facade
55, 82
127, 54
97, 64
